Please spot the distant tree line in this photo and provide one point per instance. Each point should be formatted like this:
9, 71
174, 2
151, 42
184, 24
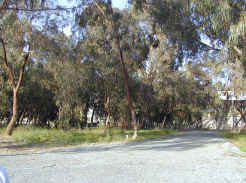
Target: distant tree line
143, 67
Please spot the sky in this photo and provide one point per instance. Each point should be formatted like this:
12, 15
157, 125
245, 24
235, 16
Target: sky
120, 3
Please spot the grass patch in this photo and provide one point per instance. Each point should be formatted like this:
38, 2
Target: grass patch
2, 131
34, 136
238, 139
155, 133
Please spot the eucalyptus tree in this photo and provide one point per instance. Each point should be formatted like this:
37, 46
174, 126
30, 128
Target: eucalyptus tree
15, 43
223, 22
126, 44
69, 81
174, 20
37, 96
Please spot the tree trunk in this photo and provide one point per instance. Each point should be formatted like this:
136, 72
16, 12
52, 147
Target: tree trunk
22, 114
12, 122
126, 83
164, 121
15, 86
107, 108
86, 112
92, 115
108, 120
124, 71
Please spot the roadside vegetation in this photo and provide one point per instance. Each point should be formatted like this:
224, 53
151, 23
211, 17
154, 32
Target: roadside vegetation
238, 139
35, 136
65, 69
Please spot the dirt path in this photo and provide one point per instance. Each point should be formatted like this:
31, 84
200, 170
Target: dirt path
7, 145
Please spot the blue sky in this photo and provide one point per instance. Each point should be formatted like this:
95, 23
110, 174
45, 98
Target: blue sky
120, 3
116, 3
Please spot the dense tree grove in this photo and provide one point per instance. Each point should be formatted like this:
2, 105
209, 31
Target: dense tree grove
157, 63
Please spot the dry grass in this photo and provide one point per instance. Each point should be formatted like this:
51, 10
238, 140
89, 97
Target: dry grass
238, 139
33, 137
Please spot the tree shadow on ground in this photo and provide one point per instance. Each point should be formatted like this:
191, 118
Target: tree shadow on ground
179, 142
184, 141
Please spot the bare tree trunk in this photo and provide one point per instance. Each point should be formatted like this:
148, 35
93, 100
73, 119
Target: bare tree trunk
242, 114
164, 121
108, 121
92, 116
12, 122
22, 114
107, 108
85, 112
129, 97
124, 71
15, 86
244, 121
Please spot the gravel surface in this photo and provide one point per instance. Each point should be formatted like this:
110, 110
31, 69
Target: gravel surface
193, 157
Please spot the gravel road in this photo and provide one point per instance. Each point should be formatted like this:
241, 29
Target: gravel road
189, 157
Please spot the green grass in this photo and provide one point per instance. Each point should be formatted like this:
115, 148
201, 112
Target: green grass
55, 137
238, 139
155, 133
1, 131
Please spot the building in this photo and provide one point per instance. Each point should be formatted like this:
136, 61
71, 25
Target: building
211, 120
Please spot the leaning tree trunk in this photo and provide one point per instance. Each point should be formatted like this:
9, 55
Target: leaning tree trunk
107, 108
15, 85
129, 97
22, 114
109, 17
12, 122
164, 122
108, 120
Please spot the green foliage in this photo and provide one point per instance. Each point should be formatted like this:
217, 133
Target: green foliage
170, 69
172, 19
5, 105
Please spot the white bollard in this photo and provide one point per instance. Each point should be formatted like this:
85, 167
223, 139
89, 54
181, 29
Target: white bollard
126, 137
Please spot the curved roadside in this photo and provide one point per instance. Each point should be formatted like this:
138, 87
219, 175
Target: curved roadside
192, 156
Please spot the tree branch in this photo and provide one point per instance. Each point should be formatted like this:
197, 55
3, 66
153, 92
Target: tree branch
209, 47
103, 13
100, 9
22, 71
5, 60
37, 10
238, 50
